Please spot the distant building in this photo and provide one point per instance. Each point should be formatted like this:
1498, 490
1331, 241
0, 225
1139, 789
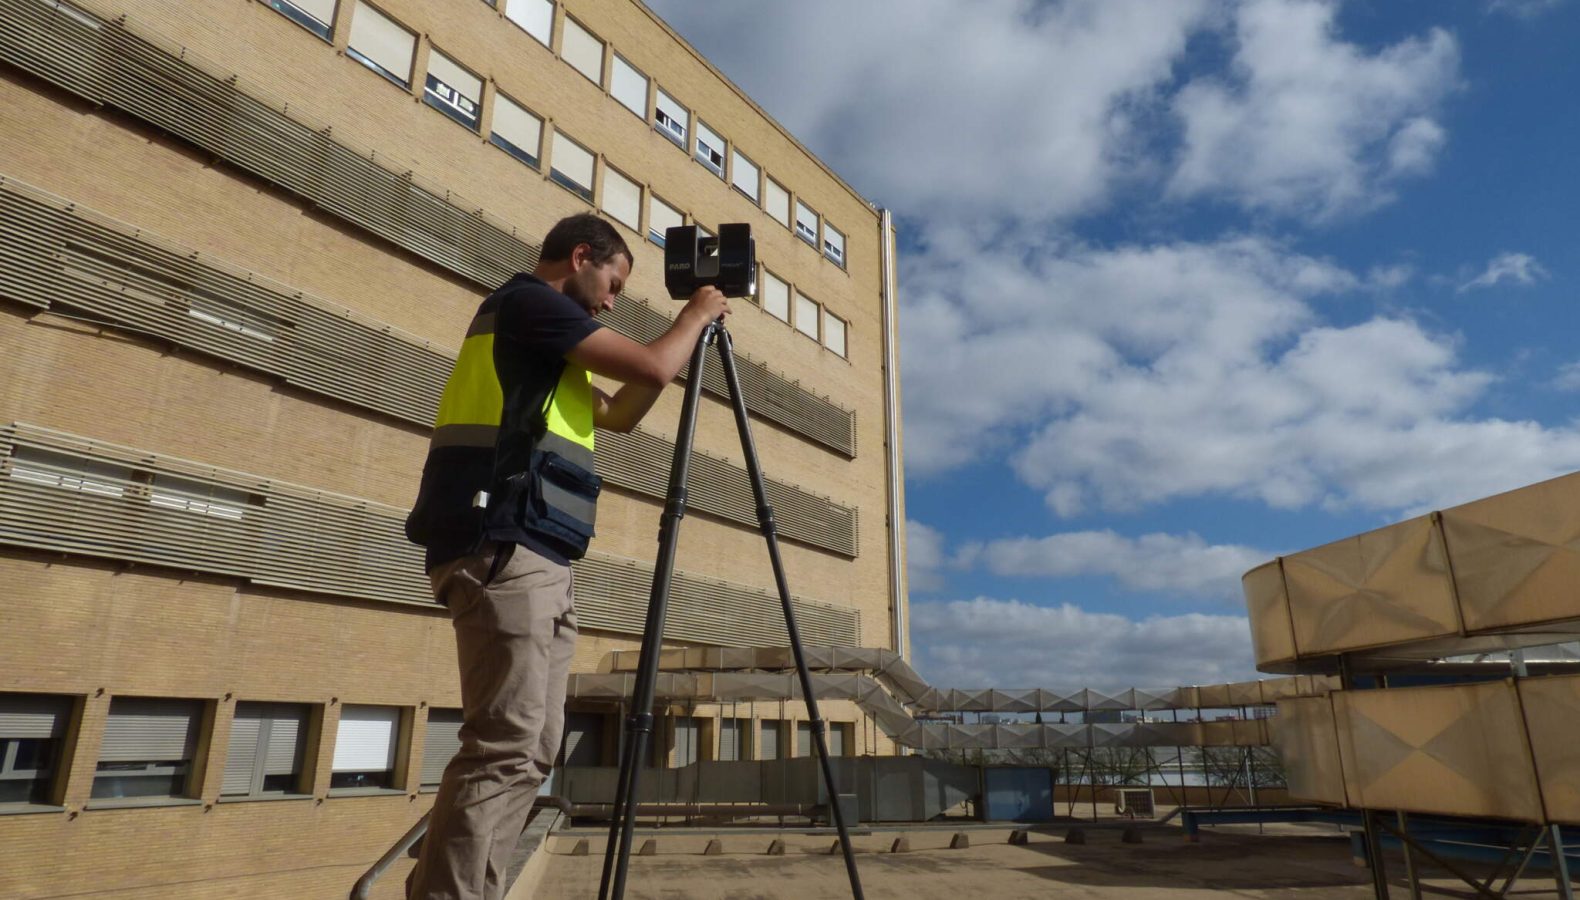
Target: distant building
242, 243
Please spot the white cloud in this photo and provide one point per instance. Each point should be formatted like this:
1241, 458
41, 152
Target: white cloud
1568, 377
1000, 108
1519, 268
1168, 563
1307, 124
1524, 9
1011, 644
925, 557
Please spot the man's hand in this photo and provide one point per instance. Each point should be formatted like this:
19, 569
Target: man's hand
707, 303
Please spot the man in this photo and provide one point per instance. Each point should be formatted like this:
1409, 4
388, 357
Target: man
507, 500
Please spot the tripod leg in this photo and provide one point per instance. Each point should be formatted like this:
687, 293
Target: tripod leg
765, 521
639, 726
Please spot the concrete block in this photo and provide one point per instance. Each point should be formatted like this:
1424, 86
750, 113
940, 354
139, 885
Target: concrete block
581, 848
715, 848
901, 845
1019, 836
649, 848
1131, 835
1075, 836
961, 841
776, 847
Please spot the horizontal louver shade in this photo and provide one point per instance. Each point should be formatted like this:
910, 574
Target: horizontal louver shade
33, 716
324, 543
365, 741
629, 87
583, 51
449, 72
833, 332
622, 198
241, 757
743, 174
322, 10
661, 217
77, 52
440, 745
150, 730
265, 739
806, 315
520, 130
769, 740
776, 201
775, 296
573, 162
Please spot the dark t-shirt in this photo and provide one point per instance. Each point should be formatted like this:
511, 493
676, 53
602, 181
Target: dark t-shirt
534, 327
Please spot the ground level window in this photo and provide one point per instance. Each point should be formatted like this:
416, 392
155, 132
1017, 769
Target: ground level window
365, 747
32, 731
148, 748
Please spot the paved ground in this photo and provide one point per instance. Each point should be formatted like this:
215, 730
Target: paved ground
1295, 862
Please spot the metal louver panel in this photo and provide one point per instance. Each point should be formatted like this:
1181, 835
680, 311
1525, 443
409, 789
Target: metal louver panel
33, 715
441, 743
287, 729
803, 739
125, 276
324, 543
583, 739
108, 63
150, 730
365, 741
768, 740
729, 740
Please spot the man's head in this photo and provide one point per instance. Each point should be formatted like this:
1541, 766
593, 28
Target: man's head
585, 258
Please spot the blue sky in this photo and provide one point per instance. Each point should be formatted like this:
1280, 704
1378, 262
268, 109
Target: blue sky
1187, 284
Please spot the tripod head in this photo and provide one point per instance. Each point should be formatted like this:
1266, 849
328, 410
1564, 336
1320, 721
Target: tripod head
727, 261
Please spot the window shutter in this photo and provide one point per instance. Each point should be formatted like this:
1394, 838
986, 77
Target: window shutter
685, 741
660, 217
365, 741
583, 51
743, 174
287, 728
671, 117
33, 716
382, 41
629, 86
833, 332
803, 739
729, 740
536, 17
444, 739
776, 200
583, 739
573, 162
805, 223
806, 312
322, 10
519, 128
710, 149
622, 198
464, 82
241, 758
836, 740
150, 730
776, 296
833, 244
768, 742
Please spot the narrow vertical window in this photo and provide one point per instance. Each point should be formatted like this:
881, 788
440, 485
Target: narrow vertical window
32, 734
629, 87
572, 166
744, 175
535, 17
806, 315
582, 50
516, 131
834, 333
440, 746
776, 202
775, 295
147, 748
453, 90
710, 150
834, 245
670, 118
805, 223
622, 199
365, 747
661, 217
381, 44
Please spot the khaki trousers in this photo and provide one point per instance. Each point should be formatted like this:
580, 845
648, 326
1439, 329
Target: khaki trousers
515, 630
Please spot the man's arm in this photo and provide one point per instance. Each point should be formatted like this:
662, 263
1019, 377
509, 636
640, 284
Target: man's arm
644, 368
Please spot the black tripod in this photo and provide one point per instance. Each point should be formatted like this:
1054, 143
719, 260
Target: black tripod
639, 726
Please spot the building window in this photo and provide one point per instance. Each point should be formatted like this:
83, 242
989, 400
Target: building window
629, 86
381, 44
441, 744
582, 50
660, 218
805, 223
231, 317
839, 742
267, 744
775, 295
583, 740
834, 332
770, 743
365, 747
317, 16
776, 201
806, 315
516, 131
453, 90
735, 739
803, 739
170, 492
710, 149
688, 731
68, 473
147, 749
744, 174
670, 118
622, 199
834, 245
536, 17
572, 166
32, 733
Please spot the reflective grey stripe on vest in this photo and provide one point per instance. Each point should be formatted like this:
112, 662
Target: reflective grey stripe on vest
570, 504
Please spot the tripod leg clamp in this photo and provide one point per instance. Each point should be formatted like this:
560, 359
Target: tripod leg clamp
640, 722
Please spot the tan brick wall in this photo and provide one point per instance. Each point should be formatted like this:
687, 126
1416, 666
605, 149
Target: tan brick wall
94, 629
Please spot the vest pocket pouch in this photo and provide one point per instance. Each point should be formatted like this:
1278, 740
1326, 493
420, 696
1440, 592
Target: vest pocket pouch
562, 500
